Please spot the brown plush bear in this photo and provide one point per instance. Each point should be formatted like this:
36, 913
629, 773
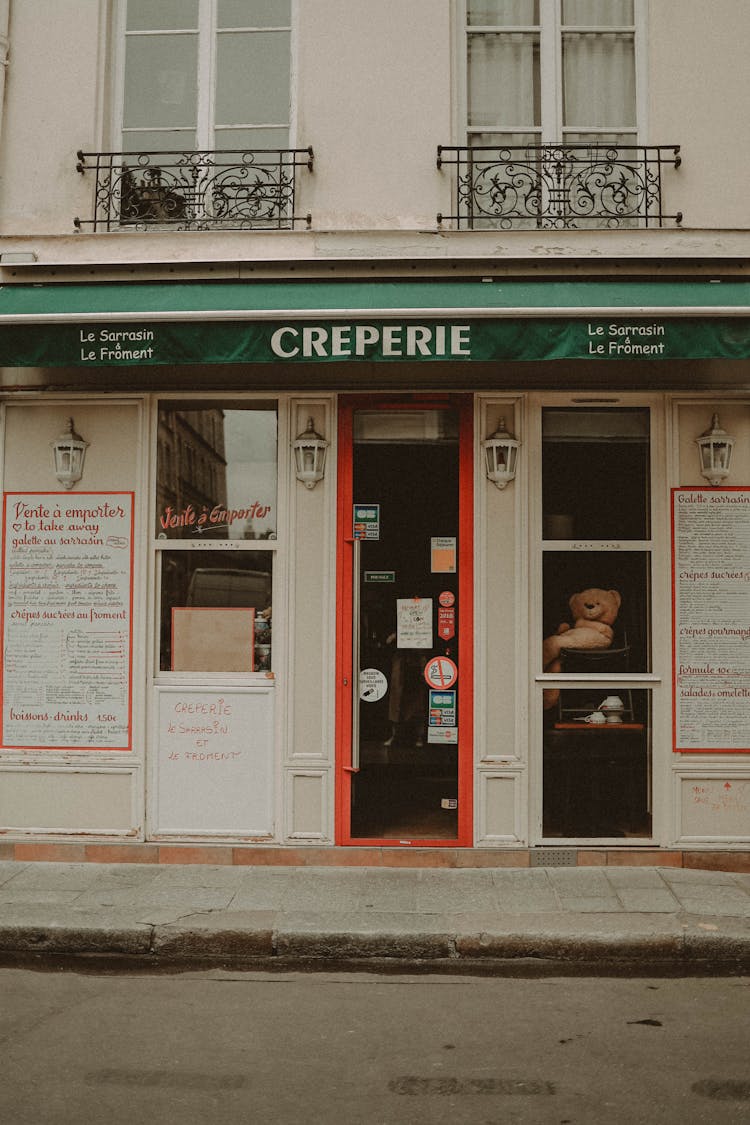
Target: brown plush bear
594, 613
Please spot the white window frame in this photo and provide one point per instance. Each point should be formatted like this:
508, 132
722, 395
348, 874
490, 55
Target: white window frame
550, 63
205, 76
278, 546
656, 547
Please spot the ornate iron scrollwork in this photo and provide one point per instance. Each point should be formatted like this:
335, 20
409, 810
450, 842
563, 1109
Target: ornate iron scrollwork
231, 190
559, 187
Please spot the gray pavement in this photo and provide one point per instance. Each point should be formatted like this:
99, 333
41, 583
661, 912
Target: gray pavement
511, 920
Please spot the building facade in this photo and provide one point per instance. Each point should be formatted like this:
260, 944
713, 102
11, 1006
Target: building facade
376, 426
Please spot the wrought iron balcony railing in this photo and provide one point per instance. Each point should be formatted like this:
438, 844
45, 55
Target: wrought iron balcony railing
559, 187
229, 190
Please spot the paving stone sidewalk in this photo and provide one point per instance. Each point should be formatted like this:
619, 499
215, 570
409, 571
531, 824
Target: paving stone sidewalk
560, 919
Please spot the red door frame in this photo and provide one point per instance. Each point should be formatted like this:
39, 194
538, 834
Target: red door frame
345, 672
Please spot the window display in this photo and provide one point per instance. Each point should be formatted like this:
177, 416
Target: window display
216, 611
596, 597
597, 764
216, 489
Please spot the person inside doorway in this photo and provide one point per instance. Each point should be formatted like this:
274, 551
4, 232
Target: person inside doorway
407, 699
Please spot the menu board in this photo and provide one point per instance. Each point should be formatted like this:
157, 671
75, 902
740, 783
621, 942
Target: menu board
711, 603
67, 610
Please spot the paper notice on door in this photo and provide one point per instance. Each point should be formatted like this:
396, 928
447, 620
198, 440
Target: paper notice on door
414, 622
443, 554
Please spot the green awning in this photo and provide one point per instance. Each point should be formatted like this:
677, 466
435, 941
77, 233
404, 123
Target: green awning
102, 324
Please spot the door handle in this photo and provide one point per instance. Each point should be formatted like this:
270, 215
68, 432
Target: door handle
355, 652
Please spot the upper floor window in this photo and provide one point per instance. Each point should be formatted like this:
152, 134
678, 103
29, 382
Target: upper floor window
551, 92
205, 74
551, 71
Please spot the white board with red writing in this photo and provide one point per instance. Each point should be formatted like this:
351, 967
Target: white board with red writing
214, 761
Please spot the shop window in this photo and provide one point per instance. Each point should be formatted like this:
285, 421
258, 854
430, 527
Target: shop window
215, 535
236, 498
596, 474
597, 765
596, 621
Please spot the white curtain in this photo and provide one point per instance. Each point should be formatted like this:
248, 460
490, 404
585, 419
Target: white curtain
598, 67
598, 80
597, 13
503, 13
503, 79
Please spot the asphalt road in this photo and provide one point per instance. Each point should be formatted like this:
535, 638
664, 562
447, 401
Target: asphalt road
324, 1049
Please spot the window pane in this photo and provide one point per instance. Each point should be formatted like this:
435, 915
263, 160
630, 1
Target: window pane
595, 473
158, 140
597, 13
174, 15
598, 80
597, 764
601, 140
252, 82
502, 13
502, 140
504, 80
215, 611
247, 140
607, 627
160, 81
216, 473
254, 13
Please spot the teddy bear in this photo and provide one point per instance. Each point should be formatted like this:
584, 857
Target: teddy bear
594, 613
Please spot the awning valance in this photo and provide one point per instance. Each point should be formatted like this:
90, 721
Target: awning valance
101, 324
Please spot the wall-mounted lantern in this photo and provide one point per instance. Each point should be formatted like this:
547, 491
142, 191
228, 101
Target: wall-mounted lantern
68, 455
501, 454
310, 456
715, 448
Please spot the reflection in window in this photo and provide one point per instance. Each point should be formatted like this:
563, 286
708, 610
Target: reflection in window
216, 473
595, 482
206, 74
206, 599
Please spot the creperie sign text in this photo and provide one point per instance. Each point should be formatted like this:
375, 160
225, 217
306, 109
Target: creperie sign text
313, 340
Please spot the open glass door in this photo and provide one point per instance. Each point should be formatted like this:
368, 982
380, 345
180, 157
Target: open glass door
404, 630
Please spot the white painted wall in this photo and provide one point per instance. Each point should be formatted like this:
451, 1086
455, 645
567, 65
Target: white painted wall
375, 102
53, 106
699, 90
375, 96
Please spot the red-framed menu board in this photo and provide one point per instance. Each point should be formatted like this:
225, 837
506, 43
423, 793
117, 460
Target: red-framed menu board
711, 620
67, 608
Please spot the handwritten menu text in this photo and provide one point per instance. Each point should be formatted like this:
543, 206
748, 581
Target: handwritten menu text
67, 589
711, 561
